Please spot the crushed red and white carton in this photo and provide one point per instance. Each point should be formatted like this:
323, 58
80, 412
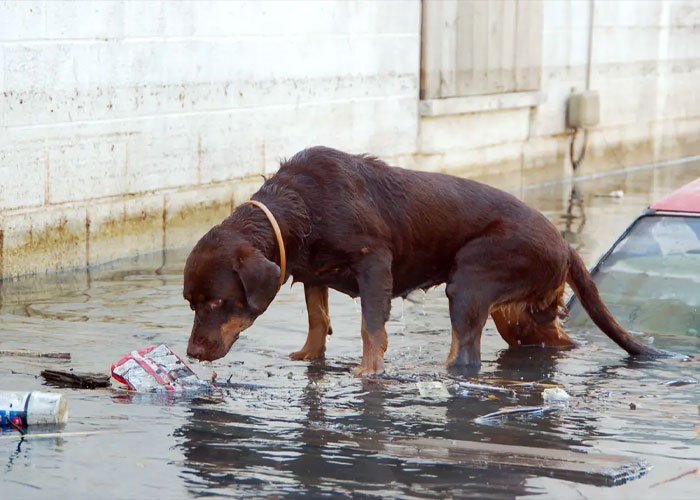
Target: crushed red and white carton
158, 369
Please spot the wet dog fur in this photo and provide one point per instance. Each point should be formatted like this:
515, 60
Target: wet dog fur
356, 225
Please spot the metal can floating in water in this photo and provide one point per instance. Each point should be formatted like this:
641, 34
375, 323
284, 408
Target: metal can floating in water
23, 409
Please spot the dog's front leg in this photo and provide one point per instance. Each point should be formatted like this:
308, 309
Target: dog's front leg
319, 323
375, 283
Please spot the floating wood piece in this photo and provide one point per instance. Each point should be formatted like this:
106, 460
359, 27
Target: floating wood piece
466, 384
681, 382
520, 383
591, 468
674, 478
36, 354
514, 411
39, 435
504, 385
241, 385
484, 387
76, 379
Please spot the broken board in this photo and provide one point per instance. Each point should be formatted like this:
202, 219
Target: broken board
76, 379
591, 468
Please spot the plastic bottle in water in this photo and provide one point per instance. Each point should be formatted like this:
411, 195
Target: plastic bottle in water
22, 409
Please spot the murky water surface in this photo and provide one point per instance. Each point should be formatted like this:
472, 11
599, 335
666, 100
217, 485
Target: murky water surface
314, 429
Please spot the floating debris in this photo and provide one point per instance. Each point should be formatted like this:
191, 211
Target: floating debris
158, 369
515, 411
52, 435
79, 380
485, 385
555, 394
21, 409
520, 383
679, 476
36, 354
434, 389
680, 382
591, 468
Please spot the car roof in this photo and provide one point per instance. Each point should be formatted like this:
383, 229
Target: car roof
685, 199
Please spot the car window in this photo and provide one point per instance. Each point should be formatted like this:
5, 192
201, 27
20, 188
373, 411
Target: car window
651, 279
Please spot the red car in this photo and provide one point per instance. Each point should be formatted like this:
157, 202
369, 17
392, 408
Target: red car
650, 277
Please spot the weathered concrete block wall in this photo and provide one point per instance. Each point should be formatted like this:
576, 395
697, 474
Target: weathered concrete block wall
123, 122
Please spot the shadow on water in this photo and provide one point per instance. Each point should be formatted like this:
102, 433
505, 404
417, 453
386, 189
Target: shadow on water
285, 428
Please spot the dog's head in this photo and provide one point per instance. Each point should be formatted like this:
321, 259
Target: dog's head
228, 283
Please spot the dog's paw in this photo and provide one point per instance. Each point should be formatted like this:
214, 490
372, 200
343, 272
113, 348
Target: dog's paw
374, 367
307, 354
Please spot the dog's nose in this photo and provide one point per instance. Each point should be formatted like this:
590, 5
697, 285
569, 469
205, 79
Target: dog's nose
195, 351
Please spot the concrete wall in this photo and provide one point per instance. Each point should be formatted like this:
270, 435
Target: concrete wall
123, 122
129, 126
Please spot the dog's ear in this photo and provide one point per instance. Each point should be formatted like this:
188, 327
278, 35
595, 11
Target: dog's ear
260, 278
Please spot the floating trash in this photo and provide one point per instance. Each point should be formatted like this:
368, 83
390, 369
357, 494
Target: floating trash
158, 369
19, 410
680, 382
79, 380
516, 411
436, 390
35, 354
555, 394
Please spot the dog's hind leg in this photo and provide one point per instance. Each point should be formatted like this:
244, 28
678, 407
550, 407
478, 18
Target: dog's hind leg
471, 289
468, 314
319, 323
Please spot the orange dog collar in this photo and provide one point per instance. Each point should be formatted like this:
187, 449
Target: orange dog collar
278, 235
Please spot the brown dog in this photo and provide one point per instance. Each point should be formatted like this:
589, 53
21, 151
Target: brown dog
354, 224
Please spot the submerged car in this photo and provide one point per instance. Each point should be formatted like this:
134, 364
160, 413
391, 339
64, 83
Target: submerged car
650, 277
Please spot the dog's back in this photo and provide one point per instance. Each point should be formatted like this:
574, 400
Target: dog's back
423, 217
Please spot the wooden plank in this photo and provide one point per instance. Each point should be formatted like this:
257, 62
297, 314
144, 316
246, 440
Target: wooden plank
591, 468
35, 354
448, 61
479, 103
480, 47
528, 48
52, 435
76, 379
465, 49
439, 49
431, 38
493, 47
475, 47
508, 46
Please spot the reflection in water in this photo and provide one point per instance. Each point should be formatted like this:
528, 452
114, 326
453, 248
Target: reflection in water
320, 453
571, 232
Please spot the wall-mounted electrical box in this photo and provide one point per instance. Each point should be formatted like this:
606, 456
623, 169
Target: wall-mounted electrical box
584, 109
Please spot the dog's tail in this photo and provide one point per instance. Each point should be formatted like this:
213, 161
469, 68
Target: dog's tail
584, 287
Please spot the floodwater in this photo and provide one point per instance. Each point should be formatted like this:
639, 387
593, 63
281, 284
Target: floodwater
293, 429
